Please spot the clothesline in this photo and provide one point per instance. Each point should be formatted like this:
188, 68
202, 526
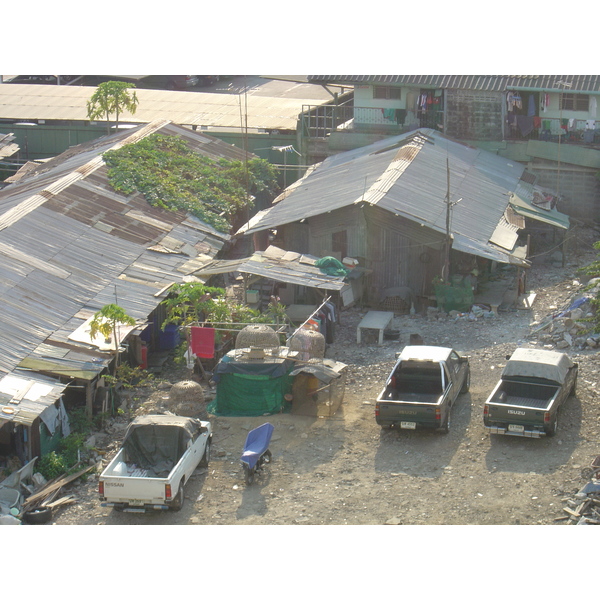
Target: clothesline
314, 312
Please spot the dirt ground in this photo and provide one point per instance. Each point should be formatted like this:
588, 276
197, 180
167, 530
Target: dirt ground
347, 470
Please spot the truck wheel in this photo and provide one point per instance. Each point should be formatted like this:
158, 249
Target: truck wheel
573, 387
553, 426
466, 383
206, 455
177, 504
445, 428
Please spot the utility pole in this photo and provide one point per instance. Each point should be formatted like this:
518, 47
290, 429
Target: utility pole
446, 267
564, 84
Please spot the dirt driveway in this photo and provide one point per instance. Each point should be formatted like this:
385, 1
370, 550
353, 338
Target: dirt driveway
346, 470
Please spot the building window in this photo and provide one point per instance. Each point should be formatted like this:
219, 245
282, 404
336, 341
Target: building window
580, 102
386, 92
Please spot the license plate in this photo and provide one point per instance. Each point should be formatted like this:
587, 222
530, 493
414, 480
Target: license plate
516, 428
408, 425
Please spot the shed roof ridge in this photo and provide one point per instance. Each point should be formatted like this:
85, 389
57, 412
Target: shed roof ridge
399, 163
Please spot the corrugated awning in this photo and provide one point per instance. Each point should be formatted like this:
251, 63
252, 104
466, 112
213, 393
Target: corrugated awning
527, 208
65, 368
23, 398
278, 265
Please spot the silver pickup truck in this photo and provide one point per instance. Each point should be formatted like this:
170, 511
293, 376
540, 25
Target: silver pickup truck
158, 456
422, 388
532, 388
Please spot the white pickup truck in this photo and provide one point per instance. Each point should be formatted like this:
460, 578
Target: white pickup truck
158, 456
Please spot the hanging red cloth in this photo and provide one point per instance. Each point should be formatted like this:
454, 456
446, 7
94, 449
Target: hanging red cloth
202, 342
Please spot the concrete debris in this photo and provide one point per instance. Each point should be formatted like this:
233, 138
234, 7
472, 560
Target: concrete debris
584, 507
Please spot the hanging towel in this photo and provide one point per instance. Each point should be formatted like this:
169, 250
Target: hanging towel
203, 342
525, 124
531, 106
537, 122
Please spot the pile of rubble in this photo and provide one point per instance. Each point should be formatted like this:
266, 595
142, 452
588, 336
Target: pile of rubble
584, 507
571, 326
566, 328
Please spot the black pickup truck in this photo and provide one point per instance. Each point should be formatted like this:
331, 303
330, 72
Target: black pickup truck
422, 387
532, 388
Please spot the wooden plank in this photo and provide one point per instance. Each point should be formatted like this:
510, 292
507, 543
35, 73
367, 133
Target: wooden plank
48, 489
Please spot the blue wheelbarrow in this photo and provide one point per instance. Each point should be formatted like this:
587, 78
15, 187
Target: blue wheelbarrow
256, 451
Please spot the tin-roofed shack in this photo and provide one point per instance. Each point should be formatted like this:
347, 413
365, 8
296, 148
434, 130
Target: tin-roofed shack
69, 245
396, 204
295, 278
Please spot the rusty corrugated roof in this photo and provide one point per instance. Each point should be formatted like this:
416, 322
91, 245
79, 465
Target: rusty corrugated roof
70, 244
407, 175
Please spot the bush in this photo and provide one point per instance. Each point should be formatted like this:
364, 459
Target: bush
63, 459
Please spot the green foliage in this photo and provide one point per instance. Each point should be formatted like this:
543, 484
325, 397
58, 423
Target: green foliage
51, 465
106, 320
62, 460
172, 176
193, 302
80, 422
112, 97
129, 377
593, 271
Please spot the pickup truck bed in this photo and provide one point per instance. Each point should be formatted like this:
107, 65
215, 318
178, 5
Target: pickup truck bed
525, 394
422, 387
158, 456
527, 398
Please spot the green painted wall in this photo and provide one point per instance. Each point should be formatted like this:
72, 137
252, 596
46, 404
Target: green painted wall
45, 141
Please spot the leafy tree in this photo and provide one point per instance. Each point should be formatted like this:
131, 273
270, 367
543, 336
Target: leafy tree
105, 322
112, 97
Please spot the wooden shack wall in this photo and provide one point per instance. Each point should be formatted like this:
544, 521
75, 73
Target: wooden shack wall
397, 252
401, 253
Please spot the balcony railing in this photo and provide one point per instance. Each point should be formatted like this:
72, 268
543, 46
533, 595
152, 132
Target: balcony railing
321, 121
552, 130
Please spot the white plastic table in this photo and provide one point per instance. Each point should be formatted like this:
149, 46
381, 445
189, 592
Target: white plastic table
375, 319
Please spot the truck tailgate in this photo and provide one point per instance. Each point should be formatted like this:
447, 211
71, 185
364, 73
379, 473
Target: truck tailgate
411, 410
135, 491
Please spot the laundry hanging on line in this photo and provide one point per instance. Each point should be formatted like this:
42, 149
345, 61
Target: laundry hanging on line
202, 341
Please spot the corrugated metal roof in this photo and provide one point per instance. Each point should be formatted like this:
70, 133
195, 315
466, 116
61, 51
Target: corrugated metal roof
408, 175
69, 245
278, 265
68, 103
497, 83
23, 398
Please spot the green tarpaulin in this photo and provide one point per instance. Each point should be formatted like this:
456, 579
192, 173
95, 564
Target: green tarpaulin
243, 395
458, 296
